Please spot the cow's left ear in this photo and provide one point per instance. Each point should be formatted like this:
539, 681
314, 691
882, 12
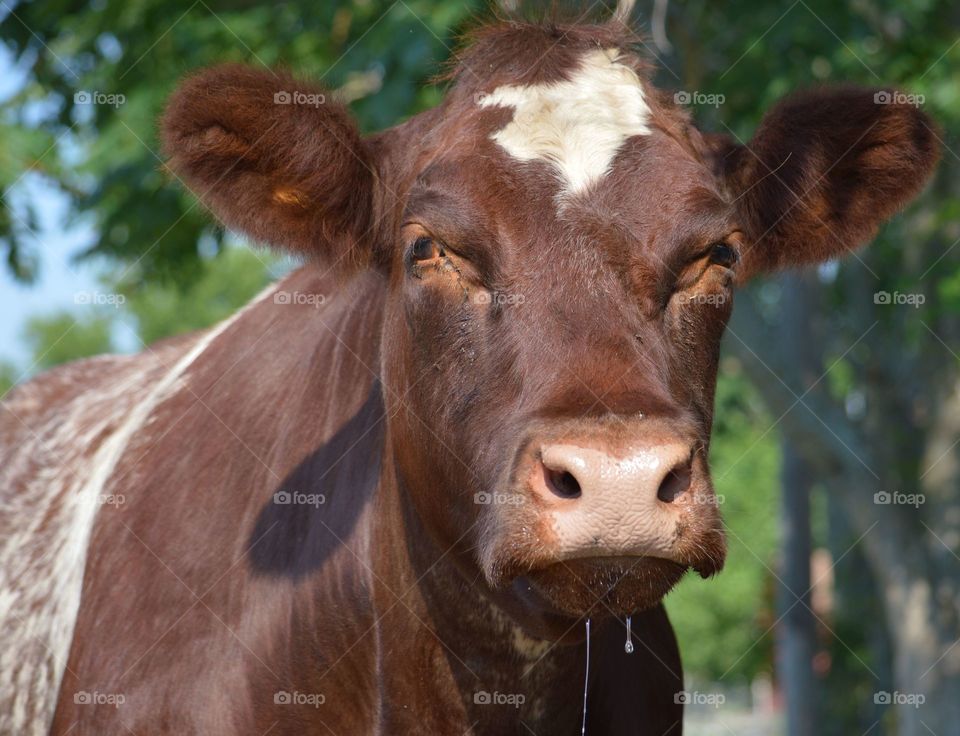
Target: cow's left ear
824, 170
276, 159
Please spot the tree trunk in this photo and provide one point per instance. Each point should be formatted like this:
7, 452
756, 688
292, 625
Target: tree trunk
858, 622
912, 551
796, 634
921, 604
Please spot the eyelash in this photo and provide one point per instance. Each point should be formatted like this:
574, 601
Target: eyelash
427, 247
723, 254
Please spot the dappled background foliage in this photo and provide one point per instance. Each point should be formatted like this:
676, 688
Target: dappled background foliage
107, 158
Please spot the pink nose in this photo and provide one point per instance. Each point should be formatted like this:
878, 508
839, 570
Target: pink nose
599, 504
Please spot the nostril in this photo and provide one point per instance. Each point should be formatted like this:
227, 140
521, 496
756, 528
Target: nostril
674, 483
562, 483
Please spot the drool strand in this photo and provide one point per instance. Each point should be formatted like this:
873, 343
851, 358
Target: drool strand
628, 647
586, 680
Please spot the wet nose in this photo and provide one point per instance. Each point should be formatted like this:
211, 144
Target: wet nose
662, 471
627, 503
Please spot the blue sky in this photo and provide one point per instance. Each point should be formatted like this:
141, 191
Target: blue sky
59, 280
56, 242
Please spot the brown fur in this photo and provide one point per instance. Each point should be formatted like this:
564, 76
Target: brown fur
826, 167
295, 175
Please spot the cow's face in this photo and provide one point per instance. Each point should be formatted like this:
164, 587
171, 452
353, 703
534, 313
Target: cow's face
563, 271
561, 247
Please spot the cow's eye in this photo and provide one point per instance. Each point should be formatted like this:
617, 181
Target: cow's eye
723, 254
424, 248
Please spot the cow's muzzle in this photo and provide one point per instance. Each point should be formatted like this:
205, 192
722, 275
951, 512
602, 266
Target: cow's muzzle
615, 516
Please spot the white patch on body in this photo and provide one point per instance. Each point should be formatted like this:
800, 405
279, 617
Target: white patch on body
578, 125
51, 486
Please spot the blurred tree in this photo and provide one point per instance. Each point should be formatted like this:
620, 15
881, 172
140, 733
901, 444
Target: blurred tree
734, 611
60, 337
8, 377
231, 279
857, 634
796, 636
885, 414
148, 313
98, 74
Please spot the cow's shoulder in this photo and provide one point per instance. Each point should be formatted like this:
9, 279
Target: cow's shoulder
58, 433
75, 405
63, 438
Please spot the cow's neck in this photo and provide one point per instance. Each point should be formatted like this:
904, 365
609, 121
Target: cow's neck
379, 615
437, 625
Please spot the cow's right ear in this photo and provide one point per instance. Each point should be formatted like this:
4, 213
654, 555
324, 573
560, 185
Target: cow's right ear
275, 159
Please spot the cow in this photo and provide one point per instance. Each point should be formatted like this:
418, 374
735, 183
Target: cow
424, 483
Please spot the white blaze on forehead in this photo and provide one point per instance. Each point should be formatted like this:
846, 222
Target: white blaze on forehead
577, 125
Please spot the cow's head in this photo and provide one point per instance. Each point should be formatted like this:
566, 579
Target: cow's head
561, 247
